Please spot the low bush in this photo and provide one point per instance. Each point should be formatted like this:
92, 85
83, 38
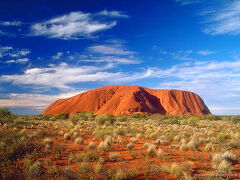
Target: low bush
6, 116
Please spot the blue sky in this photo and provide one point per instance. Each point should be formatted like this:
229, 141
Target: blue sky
56, 49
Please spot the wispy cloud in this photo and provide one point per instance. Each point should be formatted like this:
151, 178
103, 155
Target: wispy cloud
206, 52
36, 101
114, 13
57, 56
10, 23
112, 59
188, 2
224, 20
216, 82
60, 76
74, 25
21, 60
112, 49
11, 52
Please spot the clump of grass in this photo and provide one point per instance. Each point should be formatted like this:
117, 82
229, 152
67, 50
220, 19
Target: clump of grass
224, 166
133, 154
192, 145
184, 147
91, 146
69, 173
176, 170
85, 169
151, 151
229, 156
222, 162
177, 138
104, 146
222, 137
139, 136
130, 146
48, 141
114, 156
78, 140
119, 140
187, 165
53, 172
87, 156
209, 147
159, 152
234, 143
133, 140
120, 174
157, 141
146, 144
75, 135
35, 170
67, 136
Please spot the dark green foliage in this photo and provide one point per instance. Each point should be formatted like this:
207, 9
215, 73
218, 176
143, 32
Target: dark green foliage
173, 120
235, 119
222, 136
6, 116
62, 116
14, 145
121, 118
88, 156
103, 118
138, 116
87, 116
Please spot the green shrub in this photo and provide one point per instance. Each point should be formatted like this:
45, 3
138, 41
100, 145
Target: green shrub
35, 170
222, 136
235, 119
121, 118
6, 116
53, 172
87, 116
14, 145
102, 119
88, 156
62, 116
193, 121
74, 118
173, 120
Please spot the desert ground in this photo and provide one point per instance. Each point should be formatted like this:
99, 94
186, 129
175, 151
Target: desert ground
88, 146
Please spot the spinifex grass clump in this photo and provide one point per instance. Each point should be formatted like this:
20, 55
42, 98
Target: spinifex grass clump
48, 143
78, 140
223, 162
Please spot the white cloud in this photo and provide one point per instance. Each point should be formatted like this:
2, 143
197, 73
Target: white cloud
224, 20
10, 51
57, 56
60, 76
206, 52
21, 60
71, 26
117, 14
36, 101
181, 55
216, 82
111, 49
21, 52
112, 59
11, 23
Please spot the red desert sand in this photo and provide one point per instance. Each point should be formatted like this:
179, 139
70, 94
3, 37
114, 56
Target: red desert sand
128, 99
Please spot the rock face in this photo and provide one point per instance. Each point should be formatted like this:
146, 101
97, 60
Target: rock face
125, 100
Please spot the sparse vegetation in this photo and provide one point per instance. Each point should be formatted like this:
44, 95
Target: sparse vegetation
102, 146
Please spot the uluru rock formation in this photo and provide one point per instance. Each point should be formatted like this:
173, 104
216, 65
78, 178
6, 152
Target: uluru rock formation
128, 99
